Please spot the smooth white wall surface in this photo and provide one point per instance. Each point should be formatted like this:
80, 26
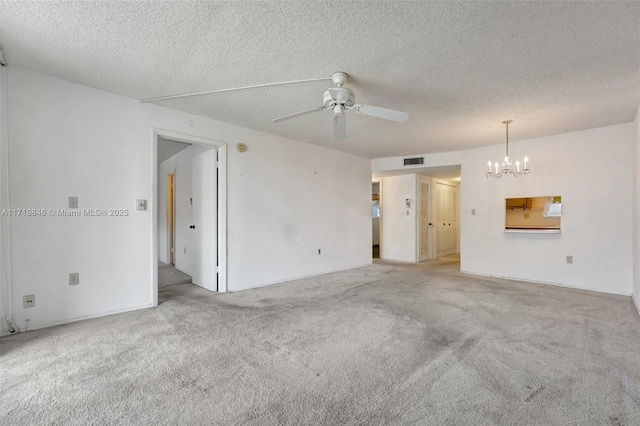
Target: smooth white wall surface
636, 213
289, 199
593, 172
399, 229
5, 295
286, 199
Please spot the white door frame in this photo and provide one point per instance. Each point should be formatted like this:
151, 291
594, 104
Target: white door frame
5, 221
428, 181
222, 204
379, 182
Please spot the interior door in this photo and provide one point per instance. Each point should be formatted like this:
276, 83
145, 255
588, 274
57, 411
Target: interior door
425, 225
205, 239
446, 219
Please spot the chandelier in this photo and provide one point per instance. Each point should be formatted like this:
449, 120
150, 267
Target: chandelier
506, 169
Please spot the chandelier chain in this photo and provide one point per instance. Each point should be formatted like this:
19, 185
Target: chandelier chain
506, 123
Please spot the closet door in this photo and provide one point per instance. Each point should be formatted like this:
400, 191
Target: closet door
446, 223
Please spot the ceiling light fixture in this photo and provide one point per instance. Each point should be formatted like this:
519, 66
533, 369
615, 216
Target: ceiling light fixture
506, 170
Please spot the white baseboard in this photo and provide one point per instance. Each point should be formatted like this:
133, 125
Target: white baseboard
636, 302
545, 283
72, 320
298, 278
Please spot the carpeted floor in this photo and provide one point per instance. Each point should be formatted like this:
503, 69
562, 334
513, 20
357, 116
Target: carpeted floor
169, 275
385, 344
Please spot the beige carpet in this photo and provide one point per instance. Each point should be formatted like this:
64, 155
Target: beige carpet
169, 275
385, 344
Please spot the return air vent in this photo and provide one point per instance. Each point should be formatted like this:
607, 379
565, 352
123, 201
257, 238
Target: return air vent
413, 161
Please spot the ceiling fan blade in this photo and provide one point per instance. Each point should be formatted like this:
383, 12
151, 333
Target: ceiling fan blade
298, 114
387, 114
339, 127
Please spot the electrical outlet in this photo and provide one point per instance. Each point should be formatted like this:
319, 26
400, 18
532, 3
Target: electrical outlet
569, 259
141, 204
319, 251
74, 278
73, 202
29, 301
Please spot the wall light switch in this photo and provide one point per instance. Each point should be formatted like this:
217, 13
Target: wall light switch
141, 204
473, 212
73, 202
569, 259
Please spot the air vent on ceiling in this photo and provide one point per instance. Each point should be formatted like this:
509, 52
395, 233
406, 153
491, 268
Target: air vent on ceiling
413, 161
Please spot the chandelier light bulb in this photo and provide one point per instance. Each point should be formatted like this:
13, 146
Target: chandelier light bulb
489, 164
518, 166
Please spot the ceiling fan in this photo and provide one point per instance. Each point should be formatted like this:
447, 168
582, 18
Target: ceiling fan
339, 99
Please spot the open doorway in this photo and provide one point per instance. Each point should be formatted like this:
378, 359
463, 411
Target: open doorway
187, 238
174, 160
376, 193
171, 218
419, 213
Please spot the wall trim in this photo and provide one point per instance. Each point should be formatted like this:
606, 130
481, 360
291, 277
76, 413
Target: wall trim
379, 181
636, 302
301, 277
502, 277
6, 279
72, 320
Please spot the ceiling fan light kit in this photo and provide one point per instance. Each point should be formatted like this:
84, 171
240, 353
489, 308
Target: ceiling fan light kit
506, 168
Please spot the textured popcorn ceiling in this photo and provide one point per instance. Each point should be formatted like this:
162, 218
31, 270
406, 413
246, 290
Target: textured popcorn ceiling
458, 68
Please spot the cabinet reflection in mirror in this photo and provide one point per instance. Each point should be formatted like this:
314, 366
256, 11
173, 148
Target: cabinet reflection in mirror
533, 214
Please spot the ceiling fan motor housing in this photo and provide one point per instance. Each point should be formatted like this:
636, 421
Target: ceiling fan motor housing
339, 96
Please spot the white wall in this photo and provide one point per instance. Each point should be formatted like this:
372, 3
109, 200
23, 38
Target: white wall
286, 199
593, 172
399, 228
636, 213
289, 199
5, 291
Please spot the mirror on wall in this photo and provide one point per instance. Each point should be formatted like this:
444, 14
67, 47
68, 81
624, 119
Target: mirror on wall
533, 214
